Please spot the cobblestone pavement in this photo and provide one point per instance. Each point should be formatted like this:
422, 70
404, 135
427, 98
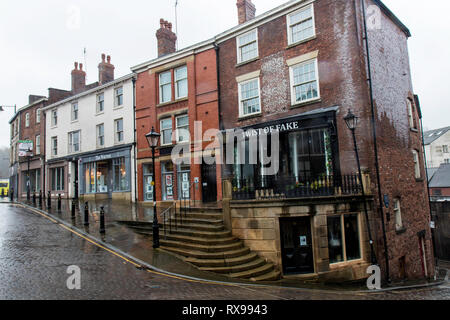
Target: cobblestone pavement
35, 254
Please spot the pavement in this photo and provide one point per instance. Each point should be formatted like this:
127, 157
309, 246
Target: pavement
121, 246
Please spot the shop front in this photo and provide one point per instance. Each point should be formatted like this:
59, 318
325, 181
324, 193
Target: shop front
306, 160
35, 177
106, 175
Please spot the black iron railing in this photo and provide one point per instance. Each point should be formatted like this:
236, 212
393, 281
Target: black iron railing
270, 187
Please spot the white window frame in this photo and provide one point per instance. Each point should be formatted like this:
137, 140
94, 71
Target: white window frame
239, 47
417, 171
54, 120
54, 142
27, 120
116, 96
163, 143
74, 114
293, 85
163, 85
177, 127
410, 114
241, 109
179, 80
99, 136
100, 102
116, 132
398, 214
289, 26
70, 141
38, 115
38, 145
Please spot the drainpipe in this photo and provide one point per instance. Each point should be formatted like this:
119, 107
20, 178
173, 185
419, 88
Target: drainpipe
217, 49
134, 143
428, 183
374, 133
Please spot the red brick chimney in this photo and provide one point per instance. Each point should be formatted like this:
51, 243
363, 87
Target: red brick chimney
105, 70
246, 10
78, 79
166, 38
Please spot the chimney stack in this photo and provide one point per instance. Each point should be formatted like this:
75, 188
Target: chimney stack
105, 70
166, 39
246, 10
78, 79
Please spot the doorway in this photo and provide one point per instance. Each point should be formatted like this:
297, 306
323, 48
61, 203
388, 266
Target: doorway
209, 183
296, 245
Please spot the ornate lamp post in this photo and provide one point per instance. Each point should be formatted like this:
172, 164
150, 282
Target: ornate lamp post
352, 122
152, 139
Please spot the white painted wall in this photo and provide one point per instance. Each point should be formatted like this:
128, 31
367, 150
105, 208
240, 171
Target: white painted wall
434, 152
87, 122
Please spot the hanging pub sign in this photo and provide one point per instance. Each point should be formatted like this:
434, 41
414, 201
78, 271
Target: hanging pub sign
25, 148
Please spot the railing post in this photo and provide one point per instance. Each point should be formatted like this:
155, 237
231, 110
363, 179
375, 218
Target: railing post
86, 214
73, 209
34, 198
59, 202
12, 194
49, 200
102, 220
40, 198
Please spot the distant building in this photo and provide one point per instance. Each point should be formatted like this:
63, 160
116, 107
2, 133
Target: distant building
440, 183
437, 145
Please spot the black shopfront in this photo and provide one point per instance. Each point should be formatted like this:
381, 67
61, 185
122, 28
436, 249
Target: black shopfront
307, 162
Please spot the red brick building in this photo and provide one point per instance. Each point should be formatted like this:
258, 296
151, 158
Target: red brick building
172, 93
297, 70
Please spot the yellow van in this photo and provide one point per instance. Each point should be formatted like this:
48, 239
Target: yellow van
4, 188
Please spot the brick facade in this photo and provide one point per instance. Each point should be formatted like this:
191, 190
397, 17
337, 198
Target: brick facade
342, 67
201, 104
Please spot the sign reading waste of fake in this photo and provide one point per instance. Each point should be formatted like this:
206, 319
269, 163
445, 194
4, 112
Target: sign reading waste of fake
25, 148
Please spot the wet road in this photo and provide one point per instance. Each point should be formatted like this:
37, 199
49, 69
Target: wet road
35, 254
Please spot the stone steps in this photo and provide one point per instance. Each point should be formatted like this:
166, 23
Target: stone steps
201, 247
208, 255
256, 263
199, 240
222, 262
253, 273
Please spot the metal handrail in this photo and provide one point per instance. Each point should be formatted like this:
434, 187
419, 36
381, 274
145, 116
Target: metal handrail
165, 219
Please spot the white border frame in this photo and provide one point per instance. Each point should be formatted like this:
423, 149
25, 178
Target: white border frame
241, 113
291, 79
288, 26
238, 55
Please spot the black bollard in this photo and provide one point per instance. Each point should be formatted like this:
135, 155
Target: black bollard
34, 198
86, 214
102, 220
12, 194
49, 200
40, 198
59, 202
73, 209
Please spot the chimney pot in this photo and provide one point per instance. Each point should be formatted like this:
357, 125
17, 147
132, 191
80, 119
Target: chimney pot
105, 70
166, 38
76, 65
78, 79
246, 10
81, 67
103, 57
108, 58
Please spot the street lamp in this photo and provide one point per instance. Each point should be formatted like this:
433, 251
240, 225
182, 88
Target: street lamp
29, 155
152, 139
352, 122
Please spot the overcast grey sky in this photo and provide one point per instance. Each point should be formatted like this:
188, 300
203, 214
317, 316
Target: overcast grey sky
40, 41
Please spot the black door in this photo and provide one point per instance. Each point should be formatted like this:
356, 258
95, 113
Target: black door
296, 244
209, 183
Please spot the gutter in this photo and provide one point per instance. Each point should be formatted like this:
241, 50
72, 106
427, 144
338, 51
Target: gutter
374, 133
